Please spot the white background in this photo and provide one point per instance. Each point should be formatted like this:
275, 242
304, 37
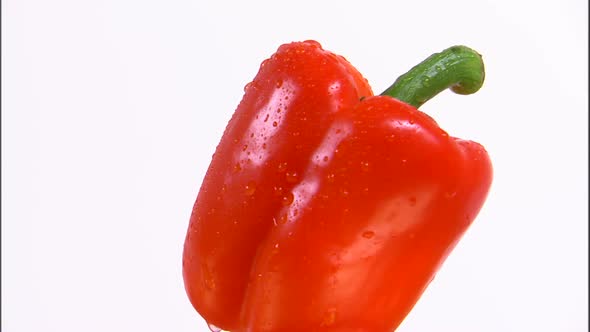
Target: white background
111, 110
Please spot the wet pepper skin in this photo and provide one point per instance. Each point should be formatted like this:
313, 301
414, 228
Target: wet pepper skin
326, 208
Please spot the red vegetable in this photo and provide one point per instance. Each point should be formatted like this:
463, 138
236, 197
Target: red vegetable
326, 208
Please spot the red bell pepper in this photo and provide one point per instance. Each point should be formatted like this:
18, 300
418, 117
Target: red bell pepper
326, 208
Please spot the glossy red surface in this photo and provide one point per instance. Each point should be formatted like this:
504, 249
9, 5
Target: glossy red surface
322, 212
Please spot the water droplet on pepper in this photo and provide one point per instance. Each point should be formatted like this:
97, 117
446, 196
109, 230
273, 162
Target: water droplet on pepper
364, 166
288, 199
330, 178
282, 167
250, 188
292, 177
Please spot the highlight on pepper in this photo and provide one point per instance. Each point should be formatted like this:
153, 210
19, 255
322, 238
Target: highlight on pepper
326, 207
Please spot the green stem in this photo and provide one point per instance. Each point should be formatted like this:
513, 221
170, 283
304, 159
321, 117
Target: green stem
458, 68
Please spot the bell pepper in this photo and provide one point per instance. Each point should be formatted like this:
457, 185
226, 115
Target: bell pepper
326, 208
